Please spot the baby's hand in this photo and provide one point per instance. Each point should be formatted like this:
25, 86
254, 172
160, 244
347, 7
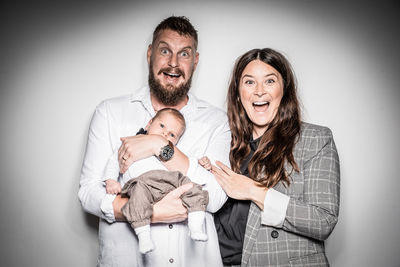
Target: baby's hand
205, 163
112, 187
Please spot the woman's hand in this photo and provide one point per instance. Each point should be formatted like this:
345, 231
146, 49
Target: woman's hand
138, 147
238, 186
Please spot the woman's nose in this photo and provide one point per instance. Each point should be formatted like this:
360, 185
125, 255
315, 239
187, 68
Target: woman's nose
259, 91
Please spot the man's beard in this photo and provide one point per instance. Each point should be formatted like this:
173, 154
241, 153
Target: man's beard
168, 97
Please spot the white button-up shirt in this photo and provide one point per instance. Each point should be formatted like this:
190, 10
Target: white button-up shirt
207, 133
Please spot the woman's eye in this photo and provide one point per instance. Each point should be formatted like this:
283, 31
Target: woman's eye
249, 82
269, 81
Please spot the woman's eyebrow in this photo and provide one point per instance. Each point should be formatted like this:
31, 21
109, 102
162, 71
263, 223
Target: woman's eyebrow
251, 76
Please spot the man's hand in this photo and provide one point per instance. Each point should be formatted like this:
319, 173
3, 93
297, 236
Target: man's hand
170, 208
138, 147
118, 203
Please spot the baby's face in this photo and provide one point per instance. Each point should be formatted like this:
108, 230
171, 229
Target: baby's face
168, 126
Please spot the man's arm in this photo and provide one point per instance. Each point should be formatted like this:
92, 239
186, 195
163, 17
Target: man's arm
168, 209
92, 192
98, 150
217, 149
138, 147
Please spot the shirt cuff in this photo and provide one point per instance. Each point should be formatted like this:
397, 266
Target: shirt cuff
192, 171
275, 206
107, 207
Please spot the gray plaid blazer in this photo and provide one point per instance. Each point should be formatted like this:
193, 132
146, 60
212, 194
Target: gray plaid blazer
312, 211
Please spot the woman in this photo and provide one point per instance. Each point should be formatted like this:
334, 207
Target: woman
283, 187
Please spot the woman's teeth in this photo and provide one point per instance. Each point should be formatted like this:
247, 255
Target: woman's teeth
260, 103
261, 106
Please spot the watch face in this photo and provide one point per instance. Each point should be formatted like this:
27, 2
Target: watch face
166, 153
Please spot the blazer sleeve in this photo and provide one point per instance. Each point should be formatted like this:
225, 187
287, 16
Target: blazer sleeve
314, 213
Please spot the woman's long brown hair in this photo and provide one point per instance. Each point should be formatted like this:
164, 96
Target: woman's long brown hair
267, 165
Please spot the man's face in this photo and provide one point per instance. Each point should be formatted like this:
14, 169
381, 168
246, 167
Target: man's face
172, 60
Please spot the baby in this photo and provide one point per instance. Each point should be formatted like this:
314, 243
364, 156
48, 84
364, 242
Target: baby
150, 181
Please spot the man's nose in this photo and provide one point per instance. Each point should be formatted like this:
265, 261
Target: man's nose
173, 61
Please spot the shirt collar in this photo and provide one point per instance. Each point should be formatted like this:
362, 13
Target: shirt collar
143, 96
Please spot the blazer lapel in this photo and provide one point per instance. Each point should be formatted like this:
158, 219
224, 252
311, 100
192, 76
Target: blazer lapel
253, 224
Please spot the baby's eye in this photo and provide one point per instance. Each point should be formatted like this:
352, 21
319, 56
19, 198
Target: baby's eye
172, 135
162, 125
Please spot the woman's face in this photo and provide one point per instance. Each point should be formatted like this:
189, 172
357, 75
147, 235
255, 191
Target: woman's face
261, 91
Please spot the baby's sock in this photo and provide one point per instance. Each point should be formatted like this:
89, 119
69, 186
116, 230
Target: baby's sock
145, 243
195, 222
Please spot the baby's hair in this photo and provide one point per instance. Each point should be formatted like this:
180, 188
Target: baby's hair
173, 112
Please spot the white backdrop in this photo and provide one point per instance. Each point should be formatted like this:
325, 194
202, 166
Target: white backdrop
59, 62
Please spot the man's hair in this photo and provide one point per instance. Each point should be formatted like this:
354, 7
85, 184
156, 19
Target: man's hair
180, 25
173, 112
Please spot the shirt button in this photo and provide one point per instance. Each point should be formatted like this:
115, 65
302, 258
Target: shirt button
274, 234
171, 260
170, 226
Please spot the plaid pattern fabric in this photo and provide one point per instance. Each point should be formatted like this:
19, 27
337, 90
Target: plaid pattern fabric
312, 211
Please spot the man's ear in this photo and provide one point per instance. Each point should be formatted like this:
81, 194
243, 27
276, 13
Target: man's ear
149, 51
196, 60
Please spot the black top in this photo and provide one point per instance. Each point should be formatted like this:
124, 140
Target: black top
230, 221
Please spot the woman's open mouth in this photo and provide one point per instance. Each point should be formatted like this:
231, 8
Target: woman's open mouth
261, 106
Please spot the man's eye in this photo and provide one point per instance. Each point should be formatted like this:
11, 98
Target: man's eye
164, 51
184, 54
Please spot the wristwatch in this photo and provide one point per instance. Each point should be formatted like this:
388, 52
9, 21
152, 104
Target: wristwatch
166, 152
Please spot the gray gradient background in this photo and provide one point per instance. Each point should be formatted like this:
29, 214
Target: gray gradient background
59, 61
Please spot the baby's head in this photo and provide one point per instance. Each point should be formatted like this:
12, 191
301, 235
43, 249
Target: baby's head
169, 123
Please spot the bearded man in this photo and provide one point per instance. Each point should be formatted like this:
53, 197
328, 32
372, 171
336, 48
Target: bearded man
172, 58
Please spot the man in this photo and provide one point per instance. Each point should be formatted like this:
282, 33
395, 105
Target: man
172, 59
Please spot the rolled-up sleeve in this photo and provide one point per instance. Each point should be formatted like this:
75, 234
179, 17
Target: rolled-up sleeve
275, 206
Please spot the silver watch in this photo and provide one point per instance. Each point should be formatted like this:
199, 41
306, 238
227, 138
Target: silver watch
166, 152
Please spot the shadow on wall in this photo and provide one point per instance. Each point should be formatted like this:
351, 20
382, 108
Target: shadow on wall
91, 221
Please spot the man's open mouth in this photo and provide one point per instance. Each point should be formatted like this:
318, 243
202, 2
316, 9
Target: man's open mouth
172, 75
